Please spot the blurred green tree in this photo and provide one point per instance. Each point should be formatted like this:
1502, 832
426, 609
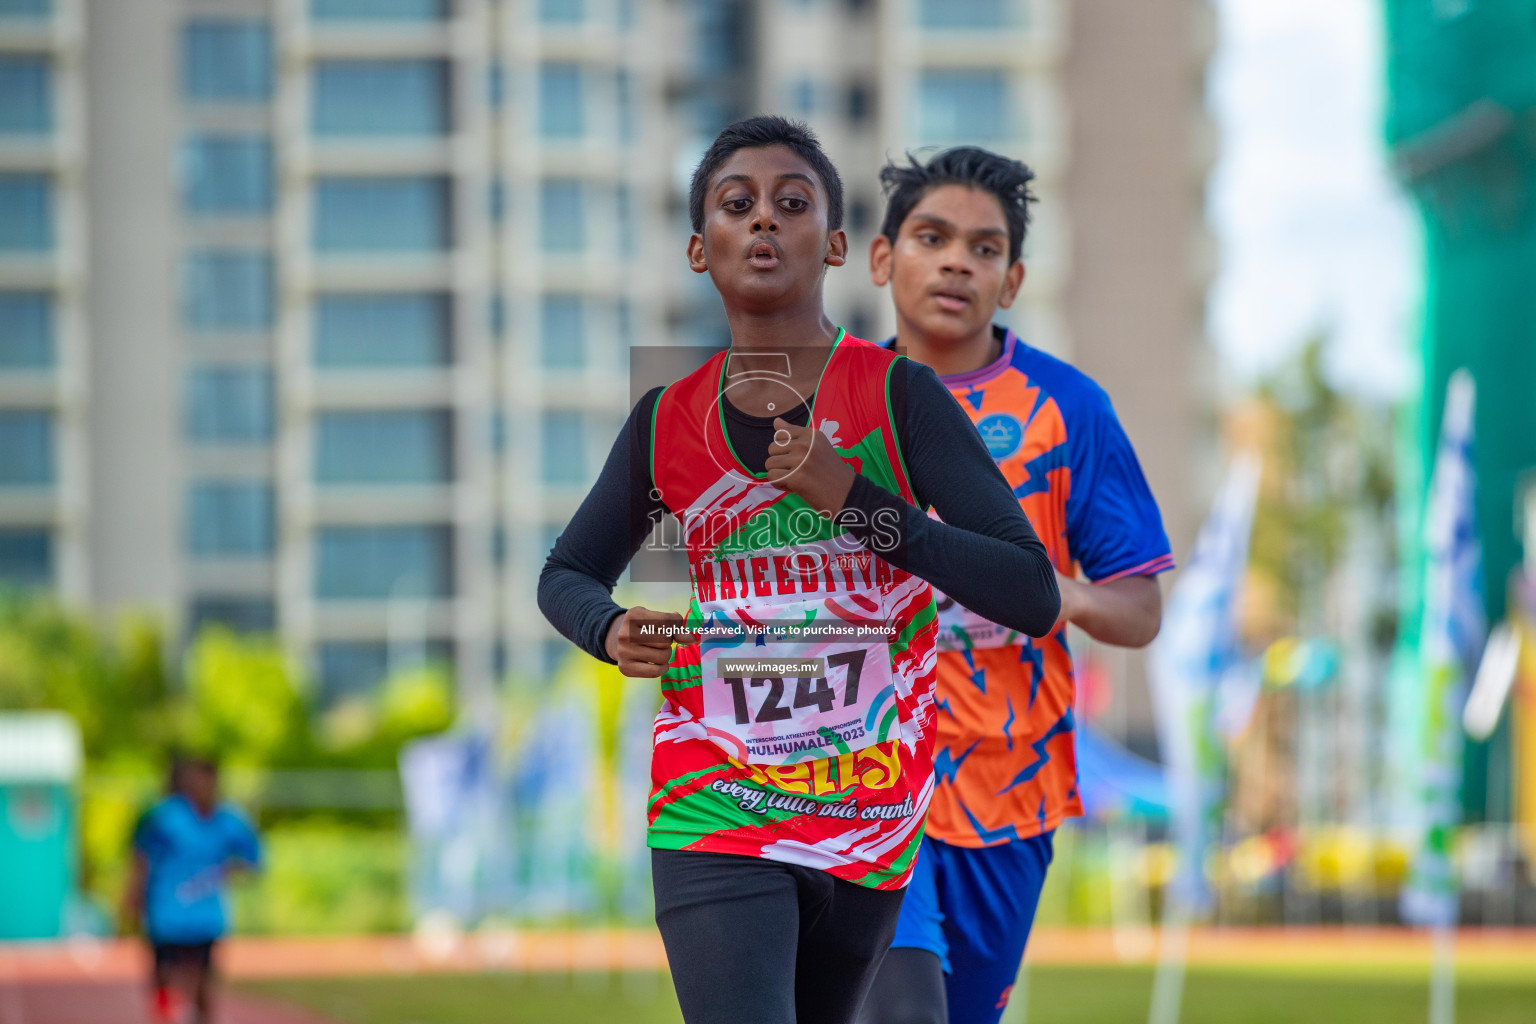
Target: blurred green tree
242, 702
1328, 471
368, 731
114, 686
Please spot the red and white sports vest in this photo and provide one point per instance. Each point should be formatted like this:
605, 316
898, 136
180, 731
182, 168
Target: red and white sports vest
831, 768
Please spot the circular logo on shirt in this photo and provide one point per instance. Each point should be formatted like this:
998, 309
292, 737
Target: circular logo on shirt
1001, 433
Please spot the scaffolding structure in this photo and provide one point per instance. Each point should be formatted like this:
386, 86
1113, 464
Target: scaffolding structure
1461, 123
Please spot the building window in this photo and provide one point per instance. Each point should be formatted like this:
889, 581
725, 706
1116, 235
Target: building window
563, 332
723, 35
26, 557
562, 114
802, 97
565, 447
963, 106
555, 653
395, 446
549, 533
860, 323
381, 214
624, 314
230, 404
26, 447
496, 84
496, 314
624, 214
381, 97
25, 8
376, 563
237, 612
26, 94
624, 105
383, 329
859, 216
227, 174
26, 330
497, 428
562, 216
562, 12
861, 103
26, 213
230, 519
229, 289
352, 668
381, 10
227, 60
964, 13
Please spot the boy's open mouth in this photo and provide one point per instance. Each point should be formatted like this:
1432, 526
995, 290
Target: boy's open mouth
763, 255
951, 300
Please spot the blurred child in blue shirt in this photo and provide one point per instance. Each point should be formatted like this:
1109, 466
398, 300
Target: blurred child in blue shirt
184, 849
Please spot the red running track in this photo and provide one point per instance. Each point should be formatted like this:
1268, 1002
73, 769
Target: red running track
117, 1002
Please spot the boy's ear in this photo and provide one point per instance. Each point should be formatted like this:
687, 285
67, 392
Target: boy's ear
880, 261
696, 261
1011, 285
837, 248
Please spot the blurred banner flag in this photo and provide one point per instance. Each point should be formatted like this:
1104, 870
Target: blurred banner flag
450, 804
557, 795
1450, 641
1191, 658
1524, 712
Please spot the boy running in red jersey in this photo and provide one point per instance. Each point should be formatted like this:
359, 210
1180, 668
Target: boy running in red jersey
1004, 765
786, 806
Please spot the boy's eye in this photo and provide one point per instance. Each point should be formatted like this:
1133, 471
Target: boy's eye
794, 204
737, 205
986, 250
929, 238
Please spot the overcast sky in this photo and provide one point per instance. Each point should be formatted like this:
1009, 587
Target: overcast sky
1313, 234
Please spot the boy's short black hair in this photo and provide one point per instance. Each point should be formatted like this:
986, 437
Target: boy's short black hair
971, 166
756, 132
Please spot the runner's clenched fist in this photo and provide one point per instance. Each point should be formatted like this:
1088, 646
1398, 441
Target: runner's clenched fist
803, 461
640, 641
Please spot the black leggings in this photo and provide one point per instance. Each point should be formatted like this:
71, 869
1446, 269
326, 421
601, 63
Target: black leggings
754, 941
909, 989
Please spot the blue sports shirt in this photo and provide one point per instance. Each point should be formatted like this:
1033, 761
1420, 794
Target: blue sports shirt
189, 857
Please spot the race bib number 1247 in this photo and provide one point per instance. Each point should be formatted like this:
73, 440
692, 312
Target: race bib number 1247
778, 703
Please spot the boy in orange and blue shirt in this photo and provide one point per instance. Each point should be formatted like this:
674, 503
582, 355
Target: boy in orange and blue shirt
1004, 759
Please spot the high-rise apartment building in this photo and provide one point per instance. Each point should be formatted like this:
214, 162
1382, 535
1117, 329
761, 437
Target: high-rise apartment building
314, 314
42, 309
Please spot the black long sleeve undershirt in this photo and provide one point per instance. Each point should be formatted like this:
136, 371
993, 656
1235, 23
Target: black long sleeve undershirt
984, 554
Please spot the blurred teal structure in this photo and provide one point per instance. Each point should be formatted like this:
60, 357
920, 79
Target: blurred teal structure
1461, 123
39, 774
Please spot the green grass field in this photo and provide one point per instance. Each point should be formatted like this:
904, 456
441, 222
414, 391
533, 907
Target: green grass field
1055, 995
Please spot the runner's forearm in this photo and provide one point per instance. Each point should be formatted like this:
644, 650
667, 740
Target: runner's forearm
1126, 612
984, 554
1000, 574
